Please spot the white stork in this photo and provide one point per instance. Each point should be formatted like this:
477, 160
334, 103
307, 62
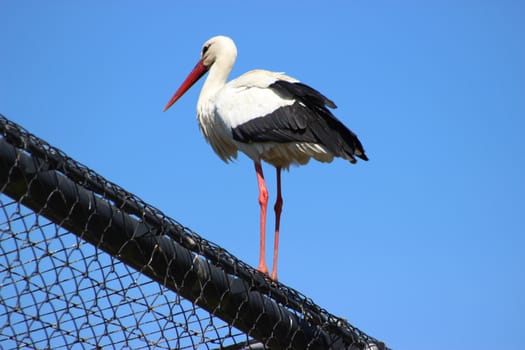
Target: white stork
268, 116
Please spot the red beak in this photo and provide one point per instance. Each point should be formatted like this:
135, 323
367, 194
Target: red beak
192, 78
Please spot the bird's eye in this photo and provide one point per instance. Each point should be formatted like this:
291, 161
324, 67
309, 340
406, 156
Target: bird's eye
204, 49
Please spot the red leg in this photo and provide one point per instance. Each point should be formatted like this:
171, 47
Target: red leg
263, 202
278, 209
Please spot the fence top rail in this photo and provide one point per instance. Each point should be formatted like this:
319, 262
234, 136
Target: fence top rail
56, 160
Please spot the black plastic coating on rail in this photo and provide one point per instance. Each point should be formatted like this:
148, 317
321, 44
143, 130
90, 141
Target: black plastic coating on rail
28, 179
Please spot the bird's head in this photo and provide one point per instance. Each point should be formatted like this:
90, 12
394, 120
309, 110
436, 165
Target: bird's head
217, 51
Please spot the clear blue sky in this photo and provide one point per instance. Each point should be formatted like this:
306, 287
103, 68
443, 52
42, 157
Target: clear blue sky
422, 246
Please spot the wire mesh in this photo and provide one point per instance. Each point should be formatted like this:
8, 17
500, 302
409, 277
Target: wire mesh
85, 264
60, 292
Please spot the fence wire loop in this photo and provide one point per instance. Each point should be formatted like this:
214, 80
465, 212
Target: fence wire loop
85, 264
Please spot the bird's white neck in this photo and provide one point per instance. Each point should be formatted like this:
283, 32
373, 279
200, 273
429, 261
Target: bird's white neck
220, 57
216, 79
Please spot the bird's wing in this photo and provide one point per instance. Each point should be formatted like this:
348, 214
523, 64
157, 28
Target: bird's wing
271, 107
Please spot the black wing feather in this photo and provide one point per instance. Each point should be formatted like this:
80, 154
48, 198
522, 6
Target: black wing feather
306, 120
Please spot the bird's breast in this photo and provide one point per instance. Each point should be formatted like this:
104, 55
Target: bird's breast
215, 131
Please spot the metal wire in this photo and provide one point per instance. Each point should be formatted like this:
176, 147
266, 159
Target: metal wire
85, 264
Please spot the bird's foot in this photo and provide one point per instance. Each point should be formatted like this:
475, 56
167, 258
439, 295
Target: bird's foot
263, 268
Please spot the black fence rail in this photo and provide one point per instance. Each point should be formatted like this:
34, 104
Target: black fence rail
85, 264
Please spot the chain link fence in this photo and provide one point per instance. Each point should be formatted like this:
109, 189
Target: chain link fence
86, 265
